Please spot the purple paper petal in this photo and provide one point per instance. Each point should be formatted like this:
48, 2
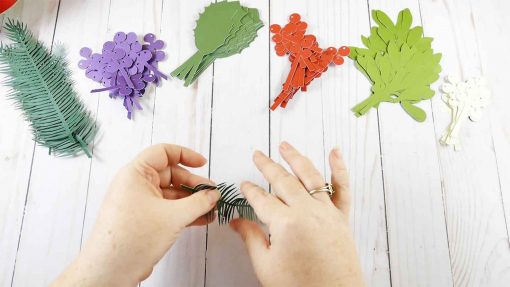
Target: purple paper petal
85, 52
136, 47
149, 37
131, 38
119, 37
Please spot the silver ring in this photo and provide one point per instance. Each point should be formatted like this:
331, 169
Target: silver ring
327, 188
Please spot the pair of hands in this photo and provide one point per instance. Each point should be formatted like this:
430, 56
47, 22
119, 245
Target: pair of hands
145, 211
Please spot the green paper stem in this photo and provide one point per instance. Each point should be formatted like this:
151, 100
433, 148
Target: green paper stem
83, 146
183, 70
198, 58
206, 62
364, 106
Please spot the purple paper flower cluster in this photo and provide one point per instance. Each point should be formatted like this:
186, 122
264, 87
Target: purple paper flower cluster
125, 67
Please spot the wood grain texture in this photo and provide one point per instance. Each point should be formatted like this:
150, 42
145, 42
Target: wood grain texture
422, 214
480, 252
491, 26
17, 147
341, 88
182, 115
417, 236
54, 212
240, 125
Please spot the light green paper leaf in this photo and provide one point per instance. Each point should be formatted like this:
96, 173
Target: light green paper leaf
382, 19
414, 36
385, 34
424, 44
376, 41
404, 21
399, 62
415, 112
365, 41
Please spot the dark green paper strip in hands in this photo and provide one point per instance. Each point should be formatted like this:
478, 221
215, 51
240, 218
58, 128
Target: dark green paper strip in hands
230, 202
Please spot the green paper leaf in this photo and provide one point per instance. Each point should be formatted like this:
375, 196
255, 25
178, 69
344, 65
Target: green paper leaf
404, 21
382, 19
376, 41
42, 87
224, 29
415, 112
399, 62
414, 35
385, 34
214, 25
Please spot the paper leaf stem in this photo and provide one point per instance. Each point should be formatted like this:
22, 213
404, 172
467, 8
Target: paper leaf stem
41, 86
399, 62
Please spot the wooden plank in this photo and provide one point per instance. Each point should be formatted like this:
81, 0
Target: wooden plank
415, 214
342, 87
182, 115
240, 124
121, 139
58, 186
478, 258
491, 23
477, 232
16, 144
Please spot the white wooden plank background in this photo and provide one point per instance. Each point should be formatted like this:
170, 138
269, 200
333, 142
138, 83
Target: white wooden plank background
423, 215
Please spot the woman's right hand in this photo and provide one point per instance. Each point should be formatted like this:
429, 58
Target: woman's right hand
311, 242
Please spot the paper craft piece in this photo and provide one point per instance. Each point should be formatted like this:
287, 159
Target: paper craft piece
41, 86
125, 67
399, 62
224, 29
466, 100
230, 201
308, 60
6, 4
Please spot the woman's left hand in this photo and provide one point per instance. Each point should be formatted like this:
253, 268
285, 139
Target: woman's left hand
142, 216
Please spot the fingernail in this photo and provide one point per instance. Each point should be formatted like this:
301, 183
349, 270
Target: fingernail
285, 145
213, 196
337, 153
257, 153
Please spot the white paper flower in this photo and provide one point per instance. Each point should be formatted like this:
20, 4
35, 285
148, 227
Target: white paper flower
466, 100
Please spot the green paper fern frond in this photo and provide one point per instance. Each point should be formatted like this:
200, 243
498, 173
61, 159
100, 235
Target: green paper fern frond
41, 86
229, 203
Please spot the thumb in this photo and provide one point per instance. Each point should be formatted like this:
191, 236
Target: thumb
192, 207
254, 238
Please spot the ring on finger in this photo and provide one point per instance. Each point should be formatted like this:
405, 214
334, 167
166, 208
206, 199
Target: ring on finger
326, 188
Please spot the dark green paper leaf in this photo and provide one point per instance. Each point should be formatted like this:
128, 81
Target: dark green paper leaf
224, 29
42, 87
